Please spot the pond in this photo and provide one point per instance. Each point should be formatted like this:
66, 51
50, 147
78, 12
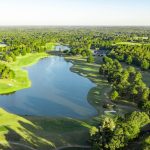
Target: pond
55, 91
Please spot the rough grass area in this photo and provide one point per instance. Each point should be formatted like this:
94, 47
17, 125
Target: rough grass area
21, 79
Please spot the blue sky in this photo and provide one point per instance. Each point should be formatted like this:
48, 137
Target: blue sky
74, 12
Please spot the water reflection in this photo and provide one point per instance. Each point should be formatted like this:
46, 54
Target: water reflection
55, 91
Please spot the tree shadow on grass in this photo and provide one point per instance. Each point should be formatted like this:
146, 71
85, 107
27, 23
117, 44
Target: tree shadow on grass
41, 133
63, 131
14, 131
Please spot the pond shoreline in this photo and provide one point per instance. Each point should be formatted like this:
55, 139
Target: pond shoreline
16, 83
76, 68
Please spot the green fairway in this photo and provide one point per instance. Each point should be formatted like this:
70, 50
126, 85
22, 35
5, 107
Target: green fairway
128, 43
21, 79
41, 132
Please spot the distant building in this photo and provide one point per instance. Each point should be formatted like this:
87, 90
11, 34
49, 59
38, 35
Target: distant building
101, 53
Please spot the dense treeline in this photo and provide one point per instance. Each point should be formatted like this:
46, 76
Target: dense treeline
127, 83
137, 55
22, 40
6, 72
118, 133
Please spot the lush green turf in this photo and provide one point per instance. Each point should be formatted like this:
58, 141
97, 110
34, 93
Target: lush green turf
21, 79
2, 45
13, 128
41, 132
128, 43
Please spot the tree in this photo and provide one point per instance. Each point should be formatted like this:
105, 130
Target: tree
146, 107
114, 95
93, 131
101, 135
23, 52
83, 54
108, 123
145, 64
145, 94
129, 60
90, 59
124, 131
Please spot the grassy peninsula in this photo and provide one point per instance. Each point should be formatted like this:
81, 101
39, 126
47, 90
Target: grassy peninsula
21, 79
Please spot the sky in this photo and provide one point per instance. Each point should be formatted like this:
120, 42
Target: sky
75, 12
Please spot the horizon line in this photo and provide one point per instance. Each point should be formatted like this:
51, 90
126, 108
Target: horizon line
77, 25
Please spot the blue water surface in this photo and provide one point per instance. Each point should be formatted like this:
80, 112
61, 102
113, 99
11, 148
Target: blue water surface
55, 91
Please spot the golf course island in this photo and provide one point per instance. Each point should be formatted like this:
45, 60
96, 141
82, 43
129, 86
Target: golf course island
74, 88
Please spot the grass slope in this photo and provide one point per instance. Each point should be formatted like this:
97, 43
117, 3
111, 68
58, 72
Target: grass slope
21, 79
41, 132
13, 128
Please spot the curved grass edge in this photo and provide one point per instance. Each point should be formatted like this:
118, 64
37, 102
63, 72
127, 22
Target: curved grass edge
97, 95
21, 80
